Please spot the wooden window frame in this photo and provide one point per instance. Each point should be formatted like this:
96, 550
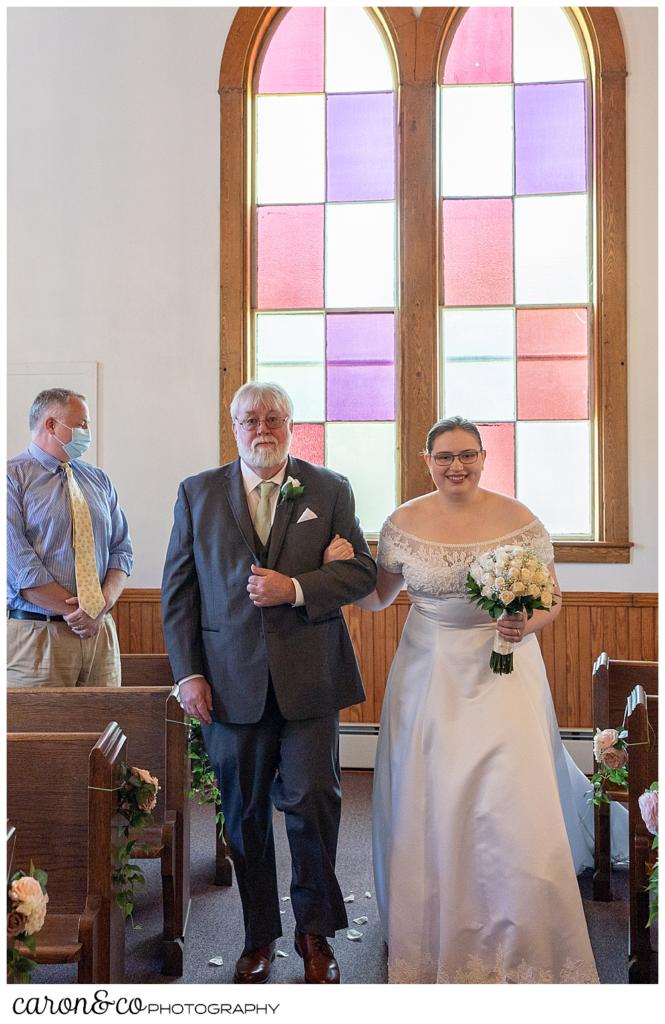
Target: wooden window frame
418, 43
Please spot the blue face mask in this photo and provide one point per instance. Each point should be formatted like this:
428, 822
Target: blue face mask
80, 442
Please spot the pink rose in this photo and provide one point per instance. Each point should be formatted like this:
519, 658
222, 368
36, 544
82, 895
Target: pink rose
25, 890
649, 809
15, 924
150, 802
613, 758
602, 740
26, 893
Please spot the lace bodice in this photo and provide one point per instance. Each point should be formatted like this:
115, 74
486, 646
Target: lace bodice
436, 569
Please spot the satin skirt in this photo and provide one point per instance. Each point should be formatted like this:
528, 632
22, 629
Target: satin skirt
480, 817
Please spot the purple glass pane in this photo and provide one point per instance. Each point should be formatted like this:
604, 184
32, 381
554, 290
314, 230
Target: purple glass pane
360, 337
550, 138
361, 146
361, 366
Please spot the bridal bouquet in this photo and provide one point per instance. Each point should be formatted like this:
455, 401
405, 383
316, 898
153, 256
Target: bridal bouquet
504, 582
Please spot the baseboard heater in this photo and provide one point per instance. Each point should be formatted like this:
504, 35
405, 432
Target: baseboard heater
357, 745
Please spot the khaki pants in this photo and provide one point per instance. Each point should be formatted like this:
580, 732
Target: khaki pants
49, 654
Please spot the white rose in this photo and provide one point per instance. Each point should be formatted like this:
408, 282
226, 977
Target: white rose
514, 572
487, 577
518, 587
500, 583
526, 575
546, 598
486, 591
534, 591
507, 596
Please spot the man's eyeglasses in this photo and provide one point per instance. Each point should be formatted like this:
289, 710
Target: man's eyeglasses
272, 422
467, 458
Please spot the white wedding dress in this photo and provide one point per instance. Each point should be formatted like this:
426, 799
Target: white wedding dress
477, 805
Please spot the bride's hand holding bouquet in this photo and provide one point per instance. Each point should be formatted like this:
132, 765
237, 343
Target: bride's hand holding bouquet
509, 583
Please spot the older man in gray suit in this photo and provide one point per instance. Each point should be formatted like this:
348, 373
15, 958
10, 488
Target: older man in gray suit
251, 600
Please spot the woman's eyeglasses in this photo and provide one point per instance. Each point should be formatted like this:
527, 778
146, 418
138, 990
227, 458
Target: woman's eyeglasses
467, 458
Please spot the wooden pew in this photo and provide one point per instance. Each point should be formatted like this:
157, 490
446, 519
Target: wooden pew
63, 800
155, 726
611, 684
642, 727
155, 670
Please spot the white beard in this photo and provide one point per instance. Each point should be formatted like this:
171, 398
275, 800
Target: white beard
264, 456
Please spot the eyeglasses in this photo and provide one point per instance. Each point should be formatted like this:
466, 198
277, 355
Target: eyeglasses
272, 422
467, 458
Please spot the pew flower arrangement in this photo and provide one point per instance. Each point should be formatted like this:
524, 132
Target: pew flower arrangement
204, 782
138, 797
508, 581
26, 910
649, 810
611, 754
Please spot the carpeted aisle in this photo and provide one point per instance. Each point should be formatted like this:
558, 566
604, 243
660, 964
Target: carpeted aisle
215, 927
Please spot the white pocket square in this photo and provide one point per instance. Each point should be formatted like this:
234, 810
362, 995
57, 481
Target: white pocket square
307, 514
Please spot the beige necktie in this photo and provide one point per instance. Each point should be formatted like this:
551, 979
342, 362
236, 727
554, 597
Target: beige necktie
262, 517
88, 590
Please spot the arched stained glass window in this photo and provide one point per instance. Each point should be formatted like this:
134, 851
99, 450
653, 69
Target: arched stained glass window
517, 286
324, 266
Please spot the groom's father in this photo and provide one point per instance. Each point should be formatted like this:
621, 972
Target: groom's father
258, 643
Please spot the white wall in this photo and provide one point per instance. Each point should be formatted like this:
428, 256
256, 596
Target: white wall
113, 252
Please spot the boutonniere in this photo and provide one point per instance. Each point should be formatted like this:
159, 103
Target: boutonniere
291, 489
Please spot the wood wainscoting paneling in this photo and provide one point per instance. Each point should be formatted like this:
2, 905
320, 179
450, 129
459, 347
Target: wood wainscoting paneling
624, 625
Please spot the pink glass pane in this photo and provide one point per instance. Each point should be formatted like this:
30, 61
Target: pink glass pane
481, 50
544, 332
360, 350
308, 442
550, 138
499, 443
293, 60
289, 257
361, 146
477, 252
552, 364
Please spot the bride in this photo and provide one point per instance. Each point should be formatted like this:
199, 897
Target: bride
480, 818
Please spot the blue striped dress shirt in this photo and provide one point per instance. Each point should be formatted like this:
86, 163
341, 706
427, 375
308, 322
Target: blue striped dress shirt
39, 524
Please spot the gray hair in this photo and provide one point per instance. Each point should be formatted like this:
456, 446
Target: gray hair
265, 394
451, 423
50, 401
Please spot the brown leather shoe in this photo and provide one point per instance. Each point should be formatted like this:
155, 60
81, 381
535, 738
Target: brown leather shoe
253, 967
321, 968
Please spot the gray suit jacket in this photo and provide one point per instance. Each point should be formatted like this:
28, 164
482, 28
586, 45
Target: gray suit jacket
210, 625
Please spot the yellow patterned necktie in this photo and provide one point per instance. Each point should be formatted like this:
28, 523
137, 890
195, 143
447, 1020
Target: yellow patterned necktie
262, 517
89, 592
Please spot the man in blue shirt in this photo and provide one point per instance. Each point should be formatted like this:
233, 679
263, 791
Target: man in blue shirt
55, 637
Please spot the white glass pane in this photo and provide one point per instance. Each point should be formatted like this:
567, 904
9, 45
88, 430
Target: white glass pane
357, 59
478, 332
360, 255
477, 141
290, 160
554, 474
545, 47
365, 453
479, 390
551, 263
305, 384
288, 338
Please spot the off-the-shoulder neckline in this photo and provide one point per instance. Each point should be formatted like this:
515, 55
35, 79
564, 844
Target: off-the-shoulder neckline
474, 544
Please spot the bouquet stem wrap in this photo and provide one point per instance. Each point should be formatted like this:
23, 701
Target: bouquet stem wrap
501, 658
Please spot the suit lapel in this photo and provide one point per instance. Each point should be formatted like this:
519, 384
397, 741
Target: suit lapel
283, 514
235, 493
